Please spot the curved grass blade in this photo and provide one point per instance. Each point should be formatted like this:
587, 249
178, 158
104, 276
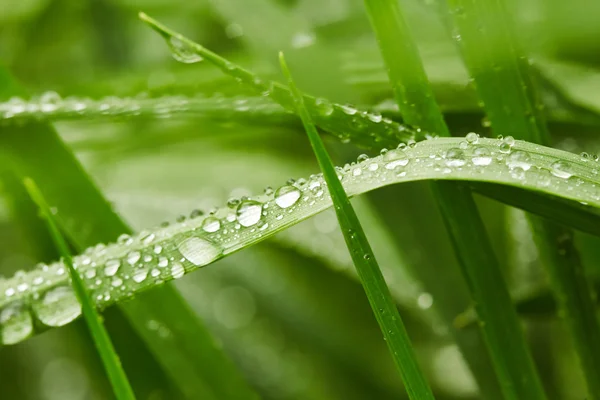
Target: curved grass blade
500, 327
110, 359
505, 84
364, 260
88, 219
203, 239
343, 121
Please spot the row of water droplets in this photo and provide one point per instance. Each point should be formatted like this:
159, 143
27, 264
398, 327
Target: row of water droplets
51, 106
43, 297
378, 129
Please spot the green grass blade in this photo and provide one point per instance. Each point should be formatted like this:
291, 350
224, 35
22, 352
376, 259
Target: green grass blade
110, 359
345, 122
189, 358
505, 84
500, 326
364, 260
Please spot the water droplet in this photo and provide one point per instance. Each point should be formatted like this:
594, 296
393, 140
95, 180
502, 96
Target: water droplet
287, 196
162, 262
157, 249
348, 109
362, 158
57, 307
111, 267
116, 282
425, 301
15, 324
561, 169
140, 275
177, 270
455, 157
325, 107
481, 156
182, 51
199, 251
395, 159
133, 257
211, 224
472, 137
519, 159
249, 212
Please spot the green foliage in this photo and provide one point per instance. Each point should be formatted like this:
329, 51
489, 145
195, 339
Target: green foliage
150, 139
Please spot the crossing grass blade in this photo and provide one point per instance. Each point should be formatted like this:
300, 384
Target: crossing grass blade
110, 359
364, 260
505, 83
500, 326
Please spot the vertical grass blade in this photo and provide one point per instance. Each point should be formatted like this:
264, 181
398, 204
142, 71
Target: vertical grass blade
505, 83
364, 260
500, 326
110, 359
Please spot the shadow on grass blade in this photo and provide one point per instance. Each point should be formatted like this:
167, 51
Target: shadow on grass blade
364, 260
110, 359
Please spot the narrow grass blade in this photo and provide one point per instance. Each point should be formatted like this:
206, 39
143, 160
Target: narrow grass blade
198, 366
344, 121
110, 359
366, 265
506, 85
511, 359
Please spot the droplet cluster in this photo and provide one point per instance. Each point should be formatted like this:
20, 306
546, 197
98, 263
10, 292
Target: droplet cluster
43, 297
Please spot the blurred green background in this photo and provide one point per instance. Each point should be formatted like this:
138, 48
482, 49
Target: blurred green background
288, 311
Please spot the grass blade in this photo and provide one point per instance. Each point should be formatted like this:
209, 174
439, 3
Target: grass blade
504, 338
110, 359
364, 260
506, 86
88, 219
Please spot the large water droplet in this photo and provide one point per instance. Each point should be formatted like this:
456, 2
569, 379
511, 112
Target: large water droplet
15, 324
249, 212
177, 270
395, 159
182, 52
57, 307
199, 251
287, 196
133, 257
211, 224
562, 169
519, 159
140, 275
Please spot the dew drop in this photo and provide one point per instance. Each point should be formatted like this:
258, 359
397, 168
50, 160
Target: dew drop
199, 251
140, 276
211, 224
182, 52
455, 157
287, 196
133, 257
111, 267
116, 282
15, 324
325, 107
177, 270
249, 212
162, 262
481, 156
561, 169
519, 159
472, 137
395, 159
57, 307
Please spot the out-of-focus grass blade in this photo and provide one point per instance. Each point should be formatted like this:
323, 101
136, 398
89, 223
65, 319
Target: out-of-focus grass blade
110, 359
345, 122
189, 356
366, 265
506, 85
500, 325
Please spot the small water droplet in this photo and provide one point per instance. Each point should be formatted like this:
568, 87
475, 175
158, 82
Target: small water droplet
15, 324
472, 137
481, 156
140, 275
177, 270
561, 169
182, 51
211, 224
325, 107
133, 257
519, 159
455, 157
111, 267
395, 159
287, 196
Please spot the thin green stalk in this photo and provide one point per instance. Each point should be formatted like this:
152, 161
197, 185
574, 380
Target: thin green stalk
500, 326
505, 84
364, 260
110, 359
